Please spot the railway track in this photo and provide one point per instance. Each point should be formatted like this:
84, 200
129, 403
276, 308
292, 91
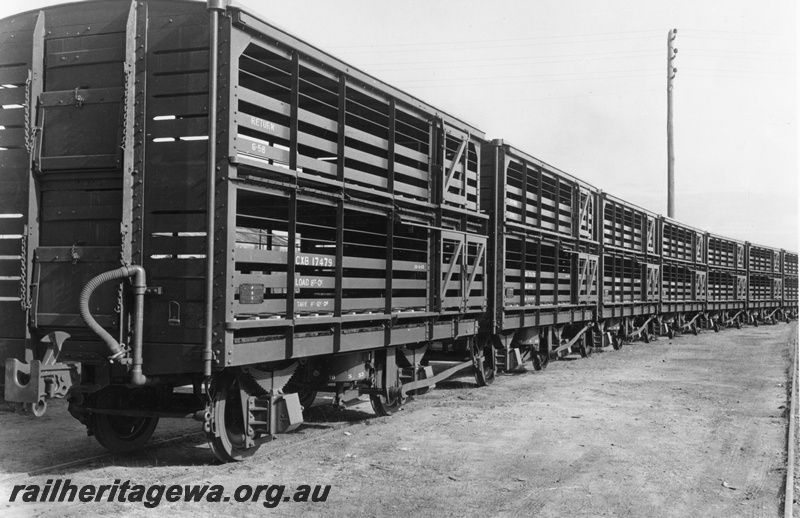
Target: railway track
791, 455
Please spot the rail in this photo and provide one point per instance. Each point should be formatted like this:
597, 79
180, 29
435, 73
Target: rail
788, 503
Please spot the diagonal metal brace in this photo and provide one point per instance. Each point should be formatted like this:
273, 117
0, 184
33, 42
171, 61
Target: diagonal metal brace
687, 325
573, 340
638, 332
428, 382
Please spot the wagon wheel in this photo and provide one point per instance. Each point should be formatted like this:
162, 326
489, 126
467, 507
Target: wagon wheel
541, 358
226, 412
122, 433
389, 399
484, 358
583, 346
384, 406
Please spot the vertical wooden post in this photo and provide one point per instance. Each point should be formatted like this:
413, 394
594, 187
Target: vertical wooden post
670, 146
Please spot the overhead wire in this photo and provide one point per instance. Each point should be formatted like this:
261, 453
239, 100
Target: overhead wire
471, 83
528, 38
767, 72
549, 75
498, 61
739, 37
741, 33
483, 45
511, 100
541, 61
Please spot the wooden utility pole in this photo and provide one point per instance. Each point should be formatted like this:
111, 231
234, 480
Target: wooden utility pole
671, 71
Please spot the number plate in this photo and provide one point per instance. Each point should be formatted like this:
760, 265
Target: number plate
251, 293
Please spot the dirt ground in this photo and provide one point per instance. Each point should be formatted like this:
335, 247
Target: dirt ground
694, 426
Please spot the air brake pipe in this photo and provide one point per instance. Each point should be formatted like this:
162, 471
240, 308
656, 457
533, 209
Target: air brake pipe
139, 287
214, 8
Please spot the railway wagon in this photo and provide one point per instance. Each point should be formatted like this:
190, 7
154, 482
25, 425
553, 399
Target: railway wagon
683, 277
631, 265
764, 283
543, 257
344, 233
727, 282
790, 294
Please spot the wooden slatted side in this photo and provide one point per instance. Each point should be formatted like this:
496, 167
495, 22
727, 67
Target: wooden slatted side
790, 264
16, 53
66, 20
677, 283
539, 198
363, 285
790, 293
175, 170
81, 104
760, 287
623, 226
13, 221
760, 259
678, 242
96, 58
86, 213
344, 132
262, 256
62, 273
721, 285
721, 252
622, 279
536, 274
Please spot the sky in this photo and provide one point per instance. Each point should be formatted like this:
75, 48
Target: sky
581, 85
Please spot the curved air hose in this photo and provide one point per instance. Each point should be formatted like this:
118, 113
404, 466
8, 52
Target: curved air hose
139, 287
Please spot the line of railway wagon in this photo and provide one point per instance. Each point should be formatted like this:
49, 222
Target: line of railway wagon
357, 235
